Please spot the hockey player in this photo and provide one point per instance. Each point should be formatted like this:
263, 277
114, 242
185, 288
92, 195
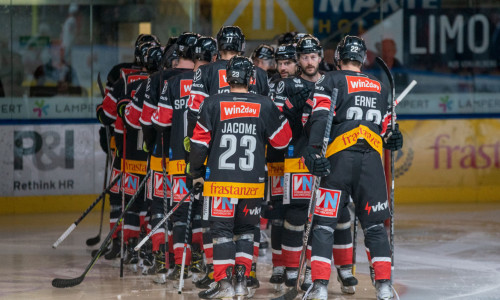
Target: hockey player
232, 130
111, 112
353, 164
285, 60
139, 114
298, 181
171, 113
210, 80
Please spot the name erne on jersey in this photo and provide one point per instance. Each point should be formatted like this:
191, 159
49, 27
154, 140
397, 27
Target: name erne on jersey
365, 101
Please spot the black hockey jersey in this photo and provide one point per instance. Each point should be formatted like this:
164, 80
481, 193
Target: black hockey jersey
360, 111
117, 71
235, 128
210, 79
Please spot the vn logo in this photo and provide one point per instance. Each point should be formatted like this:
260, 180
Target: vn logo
302, 186
277, 185
253, 212
377, 208
327, 203
131, 184
179, 188
222, 207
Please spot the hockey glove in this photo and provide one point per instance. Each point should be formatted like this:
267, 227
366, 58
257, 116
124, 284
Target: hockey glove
99, 111
317, 165
120, 107
198, 185
187, 144
295, 103
103, 139
394, 139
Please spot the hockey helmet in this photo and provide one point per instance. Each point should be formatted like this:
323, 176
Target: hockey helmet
309, 44
239, 70
263, 52
185, 44
351, 48
285, 51
231, 38
298, 36
287, 37
141, 52
205, 48
153, 58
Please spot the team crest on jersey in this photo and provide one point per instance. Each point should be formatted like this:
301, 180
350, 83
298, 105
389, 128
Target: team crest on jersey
327, 203
116, 187
197, 75
179, 188
131, 183
302, 186
276, 185
158, 185
186, 87
356, 84
222, 207
237, 109
281, 87
222, 79
320, 80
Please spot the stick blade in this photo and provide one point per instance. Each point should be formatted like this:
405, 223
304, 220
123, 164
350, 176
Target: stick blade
290, 295
65, 283
93, 241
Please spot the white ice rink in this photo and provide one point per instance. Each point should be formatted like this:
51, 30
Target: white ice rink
442, 251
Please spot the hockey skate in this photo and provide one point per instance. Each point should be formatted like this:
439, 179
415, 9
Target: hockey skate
159, 268
196, 268
146, 257
318, 291
347, 281
115, 250
176, 273
278, 278
131, 256
291, 276
222, 289
252, 282
306, 284
372, 275
240, 282
384, 289
205, 282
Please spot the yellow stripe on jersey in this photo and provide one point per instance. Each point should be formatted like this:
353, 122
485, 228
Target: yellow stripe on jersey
275, 169
295, 165
155, 164
351, 137
176, 167
233, 189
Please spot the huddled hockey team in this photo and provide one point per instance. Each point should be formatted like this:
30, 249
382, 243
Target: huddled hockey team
238, 141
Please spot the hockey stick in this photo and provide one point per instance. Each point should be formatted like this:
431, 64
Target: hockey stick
384, 67
354, 243
95, 240
170, 213
293, 292
85, 213
123, 169
64, 283
184, 251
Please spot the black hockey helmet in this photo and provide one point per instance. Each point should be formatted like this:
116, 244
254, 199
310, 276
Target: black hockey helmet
309, 44
169, 53
287, 37
185, 44
205, 48
239, 70
141, 52
298, 36
144, 38
285, 51
351, 48
153, 58
231, 38
263, 52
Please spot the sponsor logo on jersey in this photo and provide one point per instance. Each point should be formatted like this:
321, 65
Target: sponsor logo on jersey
186, 87
158, 185
115, 188
320, 80
356, 84
133, 78
197, 75
222, 79
222, 207
376, 208
165, 86
131, 183
179, 188
297, 80
233, 110
302, 186
252, 212
327, 203
281, 87
135, 166
233, 189
276, 185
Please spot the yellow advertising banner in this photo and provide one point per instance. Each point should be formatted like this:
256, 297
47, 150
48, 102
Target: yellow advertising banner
263, 19
448, 161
